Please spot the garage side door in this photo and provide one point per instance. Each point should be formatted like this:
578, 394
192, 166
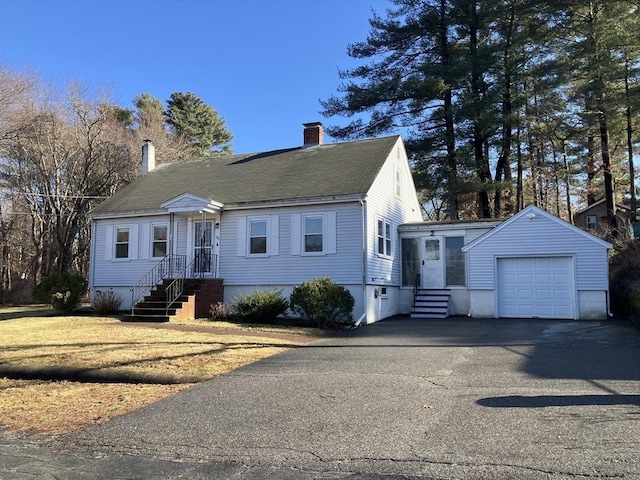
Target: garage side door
535, 287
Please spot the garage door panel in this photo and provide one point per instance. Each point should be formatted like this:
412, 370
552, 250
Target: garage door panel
536, 287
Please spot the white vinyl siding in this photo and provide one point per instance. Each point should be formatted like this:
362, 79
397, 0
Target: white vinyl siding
539, 237
382, 203
343, 238
107, 270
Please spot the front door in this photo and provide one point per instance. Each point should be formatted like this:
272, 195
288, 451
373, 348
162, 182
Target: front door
432, 262
203, 248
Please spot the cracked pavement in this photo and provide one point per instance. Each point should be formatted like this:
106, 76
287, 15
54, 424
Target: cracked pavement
443, 399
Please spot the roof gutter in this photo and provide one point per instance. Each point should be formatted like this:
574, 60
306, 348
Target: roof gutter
296, 202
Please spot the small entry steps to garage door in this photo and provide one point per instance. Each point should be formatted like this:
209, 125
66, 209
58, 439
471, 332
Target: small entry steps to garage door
430, 303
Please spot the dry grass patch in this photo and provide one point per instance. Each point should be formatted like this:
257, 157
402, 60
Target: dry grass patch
107, 345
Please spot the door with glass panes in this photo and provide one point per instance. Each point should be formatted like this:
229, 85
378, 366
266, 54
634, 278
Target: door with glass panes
203, 248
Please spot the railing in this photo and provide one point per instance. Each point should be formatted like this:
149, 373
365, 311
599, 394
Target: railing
166, 268
416, 284
201, 264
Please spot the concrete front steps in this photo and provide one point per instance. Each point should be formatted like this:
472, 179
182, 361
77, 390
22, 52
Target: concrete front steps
431, 303
154, 308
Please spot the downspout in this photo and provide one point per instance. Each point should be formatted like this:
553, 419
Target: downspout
364, 262
92, 258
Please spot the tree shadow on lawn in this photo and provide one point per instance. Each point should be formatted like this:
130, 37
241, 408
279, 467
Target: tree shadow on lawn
114, 373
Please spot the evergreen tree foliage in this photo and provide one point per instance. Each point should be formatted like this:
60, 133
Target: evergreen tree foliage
204, 130
503, 102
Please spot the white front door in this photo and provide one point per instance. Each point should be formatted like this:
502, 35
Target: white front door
432, 262
203, 248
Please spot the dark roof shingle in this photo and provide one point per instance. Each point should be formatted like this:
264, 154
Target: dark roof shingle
296, 173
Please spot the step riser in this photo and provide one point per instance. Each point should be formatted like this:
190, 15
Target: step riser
430, 303
153, 307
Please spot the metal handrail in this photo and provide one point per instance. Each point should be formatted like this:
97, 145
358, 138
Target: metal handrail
163, 269
176, 288
416, 284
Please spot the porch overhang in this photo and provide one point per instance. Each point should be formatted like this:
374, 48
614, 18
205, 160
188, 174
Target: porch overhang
189, 203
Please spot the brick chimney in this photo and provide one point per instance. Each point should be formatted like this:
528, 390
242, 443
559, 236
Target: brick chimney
313, 134
148, 157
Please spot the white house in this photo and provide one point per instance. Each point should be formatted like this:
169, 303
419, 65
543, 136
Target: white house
263, 220
532, 265
348, 211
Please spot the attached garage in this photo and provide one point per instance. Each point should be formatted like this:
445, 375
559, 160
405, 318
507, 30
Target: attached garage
535, 265
536, 287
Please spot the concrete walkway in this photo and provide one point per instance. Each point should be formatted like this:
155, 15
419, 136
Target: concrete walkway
455, 398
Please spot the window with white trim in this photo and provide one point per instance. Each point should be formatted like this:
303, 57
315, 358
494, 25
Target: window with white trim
122, 242
384, 238
591, 222
398, 183
159, 240
257, 236
313, 229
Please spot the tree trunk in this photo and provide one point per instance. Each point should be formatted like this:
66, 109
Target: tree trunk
482, 165
632, 177
450, 137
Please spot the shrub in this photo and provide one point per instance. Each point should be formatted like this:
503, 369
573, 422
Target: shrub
219, 311
261, 306
324, 303
62, 292
107, 302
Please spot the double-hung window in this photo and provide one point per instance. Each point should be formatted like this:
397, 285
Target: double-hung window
258, 236
159, 242
591, 222
122, 242
313, 234
384, 238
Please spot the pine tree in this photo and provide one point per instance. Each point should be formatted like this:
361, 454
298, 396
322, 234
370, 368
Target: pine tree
204, 130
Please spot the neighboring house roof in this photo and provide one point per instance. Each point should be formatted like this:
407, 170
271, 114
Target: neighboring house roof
619, 206
531, 211
336, 169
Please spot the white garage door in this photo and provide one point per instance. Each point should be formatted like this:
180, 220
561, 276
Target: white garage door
535, 287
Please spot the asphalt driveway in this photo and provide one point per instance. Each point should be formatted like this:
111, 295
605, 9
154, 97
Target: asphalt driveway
455, 398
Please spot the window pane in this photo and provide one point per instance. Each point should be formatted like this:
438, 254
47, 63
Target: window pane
432, 249
313, 225
258, 245
381, 245
122, 235
388, 247
159, 249
258, 228
410, 261
455, 261
160, 233
313, 243
122, 250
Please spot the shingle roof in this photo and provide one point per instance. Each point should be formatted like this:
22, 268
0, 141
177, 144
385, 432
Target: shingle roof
295, 173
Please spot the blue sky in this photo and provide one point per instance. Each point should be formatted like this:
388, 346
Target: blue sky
262, 64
